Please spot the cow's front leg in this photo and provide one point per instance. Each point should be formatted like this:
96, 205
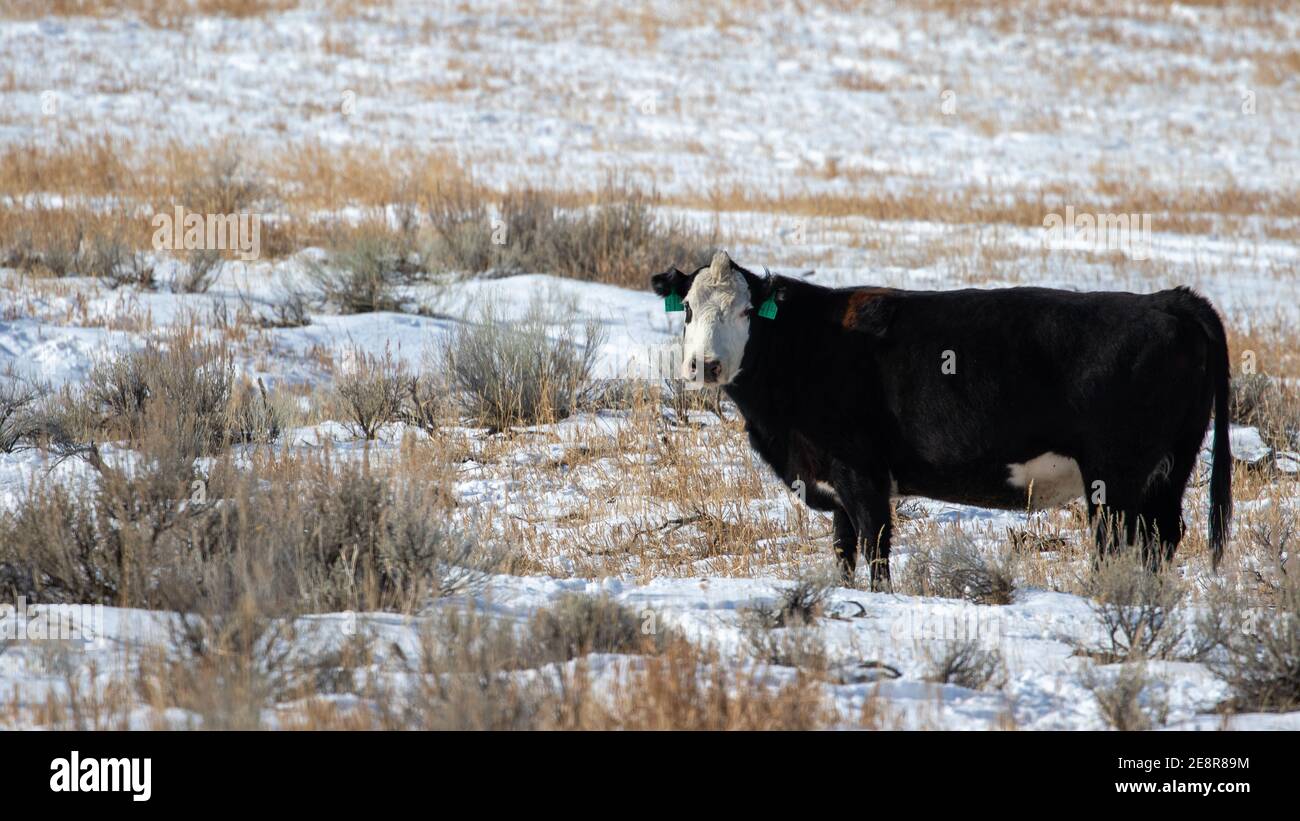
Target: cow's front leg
874, 533
845, 542
866, 502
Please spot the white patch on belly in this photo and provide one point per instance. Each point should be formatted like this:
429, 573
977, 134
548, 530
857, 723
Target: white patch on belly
1051, 480
825, 487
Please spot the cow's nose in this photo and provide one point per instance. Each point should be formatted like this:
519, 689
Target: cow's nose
712, 370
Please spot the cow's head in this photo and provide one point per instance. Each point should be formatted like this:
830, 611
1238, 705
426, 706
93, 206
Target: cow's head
720, 302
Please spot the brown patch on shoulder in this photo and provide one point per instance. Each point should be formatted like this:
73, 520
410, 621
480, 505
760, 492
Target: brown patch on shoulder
865, 309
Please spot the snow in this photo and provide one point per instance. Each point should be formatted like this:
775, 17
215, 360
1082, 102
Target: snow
561, 110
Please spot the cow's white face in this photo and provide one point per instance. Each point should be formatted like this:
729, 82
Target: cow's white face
718, 312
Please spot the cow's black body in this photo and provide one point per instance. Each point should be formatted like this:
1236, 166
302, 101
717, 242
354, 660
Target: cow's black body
846, 388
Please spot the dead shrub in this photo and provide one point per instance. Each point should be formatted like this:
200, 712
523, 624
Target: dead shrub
201, 268
464, 679
1126, 698
463, 235
106, 542
576, 625
289, 309
177, 381
783, 632
224, 667
426, 404
1272, 544
520, 372
957, 568
70, 243
19, 397
1138, 609
798, 605
1266, 403
45, 242
154, 532
253, 418
223, 185
968, 663
615, 239
1254, 647
684, 688
110, 257
361, 273
370, 542
372, 389
799, 647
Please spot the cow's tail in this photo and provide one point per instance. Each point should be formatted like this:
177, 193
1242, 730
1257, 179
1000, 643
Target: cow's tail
1221, 464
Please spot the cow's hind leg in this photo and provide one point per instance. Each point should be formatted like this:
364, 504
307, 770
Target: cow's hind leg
1164, 513
1146, 516
1163, 504
845, 542
1114, 510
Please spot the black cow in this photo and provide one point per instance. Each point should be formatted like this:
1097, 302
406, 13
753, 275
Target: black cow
1007, 398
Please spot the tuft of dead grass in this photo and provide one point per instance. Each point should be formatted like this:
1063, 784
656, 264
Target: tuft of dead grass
1127, 698
1139, 610
1254, 645
372, 390
519, 372
970, 664
1267, 403
956, 567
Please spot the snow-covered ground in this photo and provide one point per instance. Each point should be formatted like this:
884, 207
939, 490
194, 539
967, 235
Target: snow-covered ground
770, 100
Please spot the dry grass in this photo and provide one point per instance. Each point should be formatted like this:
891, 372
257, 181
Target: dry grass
614, 233
1138, 610
309, 534
970, 664
422, 212
957, 567
1126, 697
372, 390
240, 668
690, 518
523, 371
1269, 404
18, 402
160, 528
156, 13
1189, 210
1254, 644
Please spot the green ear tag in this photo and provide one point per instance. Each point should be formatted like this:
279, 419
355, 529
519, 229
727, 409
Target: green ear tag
673, 304
768, 309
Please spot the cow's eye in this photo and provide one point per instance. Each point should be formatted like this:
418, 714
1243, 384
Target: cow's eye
748, 312
688, 311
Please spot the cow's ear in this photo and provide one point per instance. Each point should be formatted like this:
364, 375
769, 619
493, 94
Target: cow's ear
670, 282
